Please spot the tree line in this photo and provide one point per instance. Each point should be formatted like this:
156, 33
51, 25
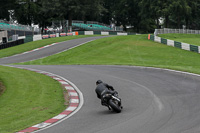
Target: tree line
143, 15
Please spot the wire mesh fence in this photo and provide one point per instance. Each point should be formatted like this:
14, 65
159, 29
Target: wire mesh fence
182, 31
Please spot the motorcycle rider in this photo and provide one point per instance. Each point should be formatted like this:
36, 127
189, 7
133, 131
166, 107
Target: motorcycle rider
102, 89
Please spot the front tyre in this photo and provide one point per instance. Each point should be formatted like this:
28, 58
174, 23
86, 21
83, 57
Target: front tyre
114, 106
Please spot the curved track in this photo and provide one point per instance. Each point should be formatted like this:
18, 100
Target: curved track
154, 100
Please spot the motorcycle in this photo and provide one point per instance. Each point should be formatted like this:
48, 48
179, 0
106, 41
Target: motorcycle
112, 101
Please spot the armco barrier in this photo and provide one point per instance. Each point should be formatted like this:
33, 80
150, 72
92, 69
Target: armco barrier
45, 36
52, 35
63, 34
180, 45
70, 34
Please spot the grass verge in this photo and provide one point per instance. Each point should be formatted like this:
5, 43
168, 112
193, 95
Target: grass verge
126, 50
36, 44
185, 38
29, 98
2, 88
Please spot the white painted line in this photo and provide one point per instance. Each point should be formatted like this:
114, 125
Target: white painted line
73, 94
62, 82
56, 78
74, 101
59, 116
71, 108
42, 125
69, 88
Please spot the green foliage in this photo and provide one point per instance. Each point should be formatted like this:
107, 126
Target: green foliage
6, 5
142, 15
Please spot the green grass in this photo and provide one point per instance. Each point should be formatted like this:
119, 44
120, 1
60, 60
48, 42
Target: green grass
126, 50
29, 98
36, 44
185, 38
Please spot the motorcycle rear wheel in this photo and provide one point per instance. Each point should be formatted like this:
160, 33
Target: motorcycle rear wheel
114, 106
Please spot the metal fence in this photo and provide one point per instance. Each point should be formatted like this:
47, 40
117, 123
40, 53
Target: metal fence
182, 31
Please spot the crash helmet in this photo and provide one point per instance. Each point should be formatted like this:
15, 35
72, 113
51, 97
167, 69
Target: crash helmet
98, 82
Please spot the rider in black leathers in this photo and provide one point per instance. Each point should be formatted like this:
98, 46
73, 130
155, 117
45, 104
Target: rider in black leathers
102, 89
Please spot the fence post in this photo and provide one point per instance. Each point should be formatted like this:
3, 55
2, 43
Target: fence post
156, 32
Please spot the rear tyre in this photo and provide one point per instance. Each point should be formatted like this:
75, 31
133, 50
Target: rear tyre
114, 106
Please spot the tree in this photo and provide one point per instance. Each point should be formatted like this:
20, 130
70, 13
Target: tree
149, 14
193, 19
47, 11
24, 11
4, 7
180, 9
85, 10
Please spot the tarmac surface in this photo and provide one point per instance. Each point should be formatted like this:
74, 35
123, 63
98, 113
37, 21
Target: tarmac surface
154, 100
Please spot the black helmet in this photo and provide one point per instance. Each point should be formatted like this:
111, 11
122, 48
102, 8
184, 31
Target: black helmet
98, 82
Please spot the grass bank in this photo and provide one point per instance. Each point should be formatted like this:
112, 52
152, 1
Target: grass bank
185, 38
36, 44
2, 88
126, 50
29, 98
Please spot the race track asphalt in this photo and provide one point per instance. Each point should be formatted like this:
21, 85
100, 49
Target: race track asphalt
154, 100
47, 51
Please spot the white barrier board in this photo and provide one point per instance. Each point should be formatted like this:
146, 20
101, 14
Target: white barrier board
186, 46
89, 33
157, 39
124, 34
170, 42
104, 33
37, 37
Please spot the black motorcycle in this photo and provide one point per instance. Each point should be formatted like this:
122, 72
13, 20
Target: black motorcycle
112, 101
